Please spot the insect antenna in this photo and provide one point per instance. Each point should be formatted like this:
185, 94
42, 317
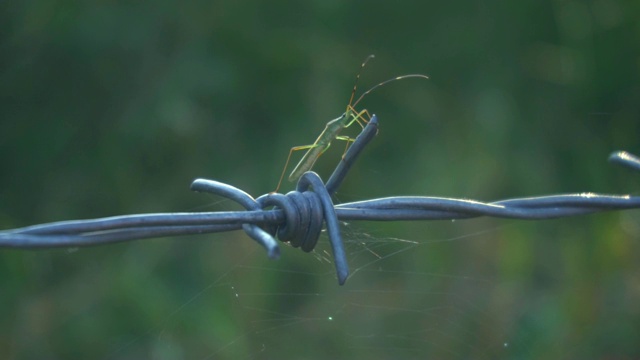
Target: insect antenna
385, 83
355, 86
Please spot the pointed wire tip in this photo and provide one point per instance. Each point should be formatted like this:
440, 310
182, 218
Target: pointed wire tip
342, 277
626, 159
274, 253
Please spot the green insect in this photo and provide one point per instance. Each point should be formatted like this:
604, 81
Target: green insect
333, 128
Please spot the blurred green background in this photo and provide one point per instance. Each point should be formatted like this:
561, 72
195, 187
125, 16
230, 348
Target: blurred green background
111, 108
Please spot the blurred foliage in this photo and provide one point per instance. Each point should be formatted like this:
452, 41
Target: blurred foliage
114, 107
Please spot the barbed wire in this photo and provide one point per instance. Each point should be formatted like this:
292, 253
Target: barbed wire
298, 216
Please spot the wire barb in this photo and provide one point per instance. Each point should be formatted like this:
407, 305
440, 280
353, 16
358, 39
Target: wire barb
297, 216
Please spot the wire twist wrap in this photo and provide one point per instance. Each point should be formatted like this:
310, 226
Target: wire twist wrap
305, 209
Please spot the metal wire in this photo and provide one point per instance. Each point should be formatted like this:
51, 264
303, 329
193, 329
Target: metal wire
297, 217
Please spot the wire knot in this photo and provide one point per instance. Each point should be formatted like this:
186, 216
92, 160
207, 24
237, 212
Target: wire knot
303, 214
304, 211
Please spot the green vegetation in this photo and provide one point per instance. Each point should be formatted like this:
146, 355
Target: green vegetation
111, 108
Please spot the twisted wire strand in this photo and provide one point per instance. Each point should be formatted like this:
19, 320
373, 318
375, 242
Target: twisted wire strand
297, 217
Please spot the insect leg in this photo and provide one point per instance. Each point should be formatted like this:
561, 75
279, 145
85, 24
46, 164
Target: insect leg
347, 141
359, 118
286, 164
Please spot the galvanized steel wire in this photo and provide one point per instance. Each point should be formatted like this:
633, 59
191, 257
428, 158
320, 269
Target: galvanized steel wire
298, 216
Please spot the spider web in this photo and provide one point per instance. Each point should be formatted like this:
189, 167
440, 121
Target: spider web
394, 305
448, 290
